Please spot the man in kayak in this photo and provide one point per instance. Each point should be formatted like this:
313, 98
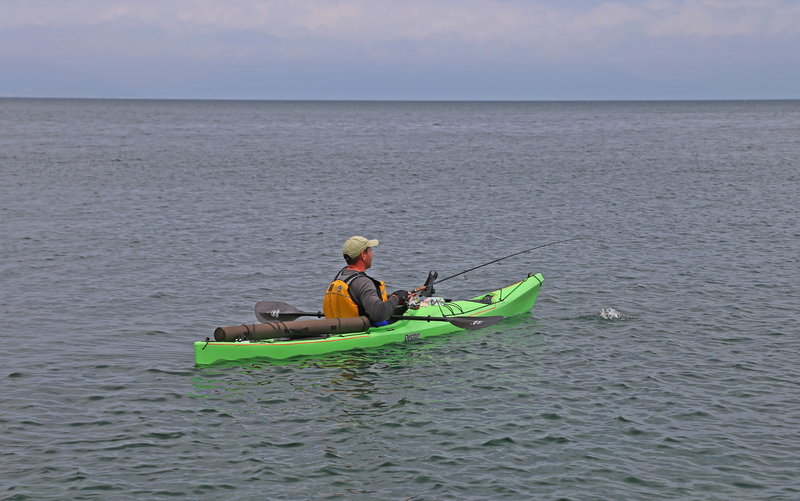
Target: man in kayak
353, 293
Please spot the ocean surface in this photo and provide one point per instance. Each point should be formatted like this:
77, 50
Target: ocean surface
132, 228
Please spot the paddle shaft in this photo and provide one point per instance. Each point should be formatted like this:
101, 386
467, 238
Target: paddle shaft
469, 323
274, 311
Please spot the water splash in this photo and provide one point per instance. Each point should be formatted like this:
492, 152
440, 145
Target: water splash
609, 313
605, 313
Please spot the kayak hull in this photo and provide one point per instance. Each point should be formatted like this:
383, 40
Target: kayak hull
514, 299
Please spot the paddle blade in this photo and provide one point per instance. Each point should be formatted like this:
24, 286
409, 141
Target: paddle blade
473, 323
275, 311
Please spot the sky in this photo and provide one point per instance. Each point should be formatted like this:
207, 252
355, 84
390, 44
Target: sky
401, 49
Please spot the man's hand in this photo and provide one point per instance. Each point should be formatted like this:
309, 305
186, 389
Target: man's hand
401, 295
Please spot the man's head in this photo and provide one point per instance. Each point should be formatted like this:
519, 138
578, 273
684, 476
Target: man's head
355, 247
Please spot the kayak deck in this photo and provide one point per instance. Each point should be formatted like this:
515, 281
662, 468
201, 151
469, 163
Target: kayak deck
512, 300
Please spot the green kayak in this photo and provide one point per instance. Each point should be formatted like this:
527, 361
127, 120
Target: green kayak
512, 300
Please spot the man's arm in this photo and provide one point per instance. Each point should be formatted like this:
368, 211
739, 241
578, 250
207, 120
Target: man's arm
364, 293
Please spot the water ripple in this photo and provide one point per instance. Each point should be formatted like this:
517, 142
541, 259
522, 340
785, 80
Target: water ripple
131, 229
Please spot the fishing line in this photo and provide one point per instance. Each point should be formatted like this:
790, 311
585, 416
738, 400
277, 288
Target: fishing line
506, 257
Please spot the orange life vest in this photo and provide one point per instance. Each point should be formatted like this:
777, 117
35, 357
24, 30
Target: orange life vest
338, 303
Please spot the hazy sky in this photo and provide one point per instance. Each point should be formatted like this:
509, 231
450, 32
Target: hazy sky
401, 49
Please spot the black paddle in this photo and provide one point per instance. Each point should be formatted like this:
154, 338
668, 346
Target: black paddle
275, 311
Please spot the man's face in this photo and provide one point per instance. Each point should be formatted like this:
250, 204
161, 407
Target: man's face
367, 257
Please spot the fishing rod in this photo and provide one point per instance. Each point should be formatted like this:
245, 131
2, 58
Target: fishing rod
500, 259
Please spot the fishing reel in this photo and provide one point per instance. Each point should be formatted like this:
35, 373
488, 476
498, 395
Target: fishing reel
422, 295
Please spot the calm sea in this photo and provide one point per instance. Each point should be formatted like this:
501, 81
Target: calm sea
132, 228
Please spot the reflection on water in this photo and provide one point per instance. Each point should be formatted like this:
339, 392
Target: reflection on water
352, 386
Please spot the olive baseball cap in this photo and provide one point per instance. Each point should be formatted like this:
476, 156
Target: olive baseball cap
354, 246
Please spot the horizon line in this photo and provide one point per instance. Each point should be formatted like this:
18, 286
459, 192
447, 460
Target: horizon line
389, 100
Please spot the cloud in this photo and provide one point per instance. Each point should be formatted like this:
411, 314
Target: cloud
730, 18
644, 38
470, 21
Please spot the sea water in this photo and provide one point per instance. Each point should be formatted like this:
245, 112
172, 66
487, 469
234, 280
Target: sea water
132, 228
